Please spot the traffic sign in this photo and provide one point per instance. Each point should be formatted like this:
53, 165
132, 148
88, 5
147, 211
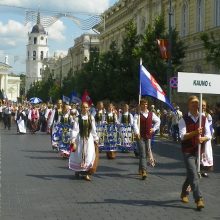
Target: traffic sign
198, 83
174, 82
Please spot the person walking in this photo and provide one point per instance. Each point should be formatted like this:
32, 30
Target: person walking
144, 135
83, 159
191, 136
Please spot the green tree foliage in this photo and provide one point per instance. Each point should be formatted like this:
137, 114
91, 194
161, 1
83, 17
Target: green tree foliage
212, 49
114, 75
150, 52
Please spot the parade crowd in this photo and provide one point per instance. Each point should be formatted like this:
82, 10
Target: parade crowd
80, 132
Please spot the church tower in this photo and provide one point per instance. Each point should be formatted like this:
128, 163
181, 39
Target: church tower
37, 51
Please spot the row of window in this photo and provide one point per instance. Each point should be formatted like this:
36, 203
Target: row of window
200, 16
35, 39
35, 55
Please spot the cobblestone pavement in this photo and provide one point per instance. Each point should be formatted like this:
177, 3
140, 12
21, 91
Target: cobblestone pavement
36, 184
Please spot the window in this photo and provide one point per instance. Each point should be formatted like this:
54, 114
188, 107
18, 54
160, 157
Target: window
217, 13
34, 55
200, 14
42, 55
185, 11
35, 40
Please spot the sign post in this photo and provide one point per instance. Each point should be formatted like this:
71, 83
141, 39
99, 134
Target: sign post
198, 83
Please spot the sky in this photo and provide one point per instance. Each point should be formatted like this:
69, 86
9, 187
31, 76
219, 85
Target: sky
61, 34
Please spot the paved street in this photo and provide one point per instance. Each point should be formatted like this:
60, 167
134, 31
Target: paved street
36, 184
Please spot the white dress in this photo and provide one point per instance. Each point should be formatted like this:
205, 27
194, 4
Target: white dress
84, 156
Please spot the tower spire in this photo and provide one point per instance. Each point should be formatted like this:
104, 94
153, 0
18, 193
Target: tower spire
38, 17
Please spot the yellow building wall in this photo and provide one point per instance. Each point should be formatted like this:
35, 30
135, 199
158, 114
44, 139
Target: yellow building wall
117, 16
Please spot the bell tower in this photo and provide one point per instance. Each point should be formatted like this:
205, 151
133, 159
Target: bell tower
37, 51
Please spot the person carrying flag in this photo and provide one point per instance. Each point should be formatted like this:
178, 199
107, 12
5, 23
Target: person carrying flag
191, 136
144, 134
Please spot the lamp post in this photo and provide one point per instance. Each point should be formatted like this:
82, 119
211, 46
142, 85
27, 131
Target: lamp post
170, 52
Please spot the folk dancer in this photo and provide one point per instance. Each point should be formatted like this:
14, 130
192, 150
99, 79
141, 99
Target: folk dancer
149, 123
126, 131
83, 158
48, 118
33, 117
54, 120
100, 123
207, 154
7, 115
111, 121
20, 117
191, 136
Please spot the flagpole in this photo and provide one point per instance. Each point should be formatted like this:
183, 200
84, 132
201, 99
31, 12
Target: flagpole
200, 124
139, 96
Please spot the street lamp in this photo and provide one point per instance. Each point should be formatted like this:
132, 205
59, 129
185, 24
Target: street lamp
170, 52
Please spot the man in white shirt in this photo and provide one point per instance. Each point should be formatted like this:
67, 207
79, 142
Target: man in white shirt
149, 123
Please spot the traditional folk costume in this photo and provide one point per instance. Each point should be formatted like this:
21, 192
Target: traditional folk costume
49, 119
207, 154
82, 160
126, 132
100, 126
188, 124
111, 120
148, 121
43, 121
53, 122
33, 117
20, 117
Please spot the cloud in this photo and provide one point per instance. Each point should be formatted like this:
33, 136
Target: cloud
94, 6
56, 31
12, 33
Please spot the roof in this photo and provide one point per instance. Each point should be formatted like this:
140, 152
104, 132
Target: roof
4, 66
38, 29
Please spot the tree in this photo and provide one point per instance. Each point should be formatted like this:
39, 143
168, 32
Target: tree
128, 88
151, 54
212, 49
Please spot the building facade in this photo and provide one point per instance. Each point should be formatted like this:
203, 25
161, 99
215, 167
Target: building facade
76, 57
37, 51
9, 83
190, 18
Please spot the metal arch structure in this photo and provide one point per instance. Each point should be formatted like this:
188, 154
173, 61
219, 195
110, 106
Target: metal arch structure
47, 18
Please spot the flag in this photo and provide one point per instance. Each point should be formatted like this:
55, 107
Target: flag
66, 99
75, 99
150, 87
86, 98
164, 51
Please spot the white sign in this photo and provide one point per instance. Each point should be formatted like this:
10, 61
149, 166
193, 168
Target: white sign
198, 83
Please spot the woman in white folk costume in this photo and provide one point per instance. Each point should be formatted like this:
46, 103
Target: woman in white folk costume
207, 154
20, 120
83, 158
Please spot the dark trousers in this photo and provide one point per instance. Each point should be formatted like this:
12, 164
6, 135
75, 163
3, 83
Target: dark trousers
192, 178
7, 120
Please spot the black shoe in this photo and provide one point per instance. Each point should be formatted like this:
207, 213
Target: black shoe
204, 175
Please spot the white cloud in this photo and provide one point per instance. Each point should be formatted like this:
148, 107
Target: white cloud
12, 33
94, 6
56, 31
12, 28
